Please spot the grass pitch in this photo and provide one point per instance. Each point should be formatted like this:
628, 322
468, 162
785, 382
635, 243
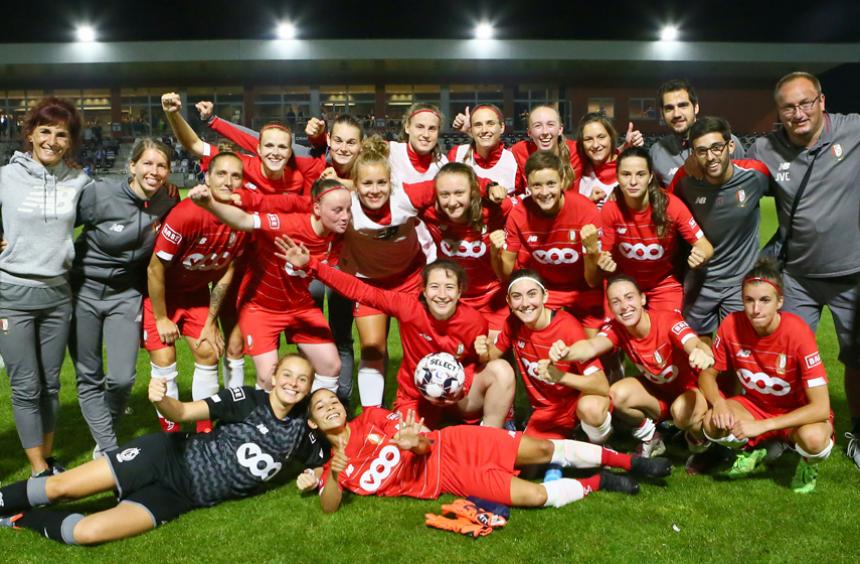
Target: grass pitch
685, 519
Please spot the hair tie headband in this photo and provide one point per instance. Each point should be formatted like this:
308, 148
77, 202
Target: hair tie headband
521, 278
765, 280
329, 189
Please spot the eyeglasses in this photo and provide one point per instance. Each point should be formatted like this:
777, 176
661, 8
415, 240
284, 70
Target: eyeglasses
805, 107
716, 149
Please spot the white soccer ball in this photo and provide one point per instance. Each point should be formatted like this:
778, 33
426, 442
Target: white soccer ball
440, 378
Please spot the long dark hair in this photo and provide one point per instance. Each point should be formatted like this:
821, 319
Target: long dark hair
657, 198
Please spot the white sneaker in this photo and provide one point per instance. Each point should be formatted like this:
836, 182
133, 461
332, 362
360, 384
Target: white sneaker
853, 449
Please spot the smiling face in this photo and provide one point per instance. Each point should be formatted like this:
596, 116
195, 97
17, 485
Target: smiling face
486, 129
373, 185
634, 178
761, 305
453, 194
423, 131
275, 149
679, 112
327, 412
801, 126
292, 381
526, 300
224, 177
50, 143
597, 142
714, 155
626, 302
344, 143
545, 188
150, 171
442, 293
544, 128
334, 210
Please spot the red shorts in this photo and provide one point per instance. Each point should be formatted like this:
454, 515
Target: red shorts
666, 394
759, 414
478, 461
262, 327
586, 307
189, 318
668, 295
411, 285
556, 421
495, 309
434, 415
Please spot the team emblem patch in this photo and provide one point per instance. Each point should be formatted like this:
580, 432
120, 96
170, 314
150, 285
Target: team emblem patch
837, 151
572, 235
168, 233
658, 359
231, 239
742, 198
4, 326
812, 360
127, 455
460, 350
237, 393
781, 362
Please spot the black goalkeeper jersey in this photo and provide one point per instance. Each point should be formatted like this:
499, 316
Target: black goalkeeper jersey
247, 447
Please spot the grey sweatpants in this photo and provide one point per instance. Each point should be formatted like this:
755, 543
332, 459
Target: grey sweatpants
340, 322
33, 344
116, 324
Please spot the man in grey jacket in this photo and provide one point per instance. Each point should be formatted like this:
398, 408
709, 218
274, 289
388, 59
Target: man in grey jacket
679, 107
823, 252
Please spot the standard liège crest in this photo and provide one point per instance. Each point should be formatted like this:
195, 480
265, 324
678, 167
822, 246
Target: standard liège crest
781, 362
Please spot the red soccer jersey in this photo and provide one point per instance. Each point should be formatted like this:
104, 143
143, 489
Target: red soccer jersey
378, 467
197, 247
551, 245
522, 150
660, 355
469, 247
420, 333
632, 239
273, 283
774, 370
531, 345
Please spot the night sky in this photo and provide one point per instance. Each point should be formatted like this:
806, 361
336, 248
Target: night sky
699, 20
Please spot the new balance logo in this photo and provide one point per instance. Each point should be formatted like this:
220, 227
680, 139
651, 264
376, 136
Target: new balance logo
744, 353
263, 429
116, 228
532, 239
701, 200
784, 166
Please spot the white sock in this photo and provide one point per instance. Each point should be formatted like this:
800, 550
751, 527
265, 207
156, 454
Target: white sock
326, 382
815, 458
371, 383
729, 441
561, 492
168, 373
645, 431
577, 454
234, 372
598, 435
204, 382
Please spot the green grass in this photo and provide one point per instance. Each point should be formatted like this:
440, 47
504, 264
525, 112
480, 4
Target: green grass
758, 519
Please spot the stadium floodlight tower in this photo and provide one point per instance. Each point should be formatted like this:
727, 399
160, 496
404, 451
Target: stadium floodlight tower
85, 33
285, 30
484, 30
669, 33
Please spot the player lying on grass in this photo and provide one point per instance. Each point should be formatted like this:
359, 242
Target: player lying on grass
435, 322
776, 360
668, 355
382, 453
162, 475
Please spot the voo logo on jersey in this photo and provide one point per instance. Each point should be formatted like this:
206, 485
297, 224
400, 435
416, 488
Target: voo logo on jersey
463, 249
556, 256
293, 272
667, 375
199, 261
640, 251
380, 468
763, 383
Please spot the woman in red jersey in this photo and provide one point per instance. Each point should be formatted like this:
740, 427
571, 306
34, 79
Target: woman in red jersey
668, 355
275, 298
546, 133
486, 154
784, 384
562, 395
418, 157
555, 233
597, 151
641, 226
434, 322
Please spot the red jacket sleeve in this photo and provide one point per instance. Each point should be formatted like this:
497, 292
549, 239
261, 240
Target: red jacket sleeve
421, 195
235, 134
395, 304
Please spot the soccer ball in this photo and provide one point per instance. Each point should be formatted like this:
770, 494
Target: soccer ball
440, 378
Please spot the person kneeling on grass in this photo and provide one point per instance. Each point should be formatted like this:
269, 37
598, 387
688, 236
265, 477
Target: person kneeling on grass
160, 476
785, 398
383, 453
